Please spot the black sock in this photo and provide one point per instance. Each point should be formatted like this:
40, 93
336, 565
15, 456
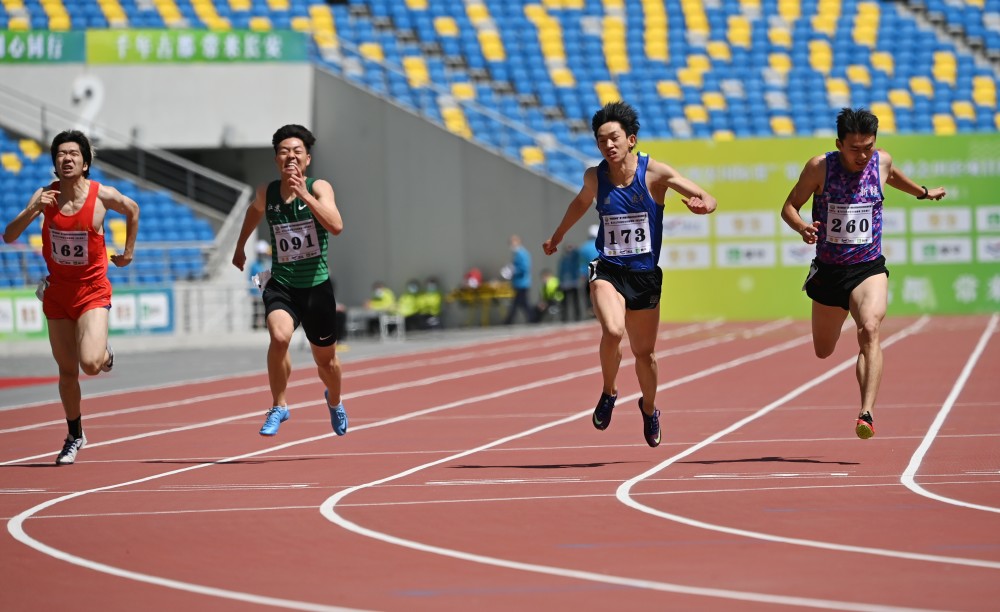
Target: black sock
75, 427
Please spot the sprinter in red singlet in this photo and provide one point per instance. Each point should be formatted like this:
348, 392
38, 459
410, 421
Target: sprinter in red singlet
78, 296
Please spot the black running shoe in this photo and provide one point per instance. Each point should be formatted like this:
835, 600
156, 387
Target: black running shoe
602, 414
650, 426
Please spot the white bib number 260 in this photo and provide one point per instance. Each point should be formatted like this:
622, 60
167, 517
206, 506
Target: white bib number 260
626, 234
849, 223
296, 241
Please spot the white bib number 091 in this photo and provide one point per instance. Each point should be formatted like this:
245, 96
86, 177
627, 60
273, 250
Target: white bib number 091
69, 248
626, 234
296, 241
849, 223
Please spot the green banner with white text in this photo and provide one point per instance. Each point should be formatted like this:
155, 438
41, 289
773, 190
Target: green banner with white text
186, 46
35, 47
742, 262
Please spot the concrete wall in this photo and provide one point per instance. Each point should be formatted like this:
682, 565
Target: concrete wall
418, 201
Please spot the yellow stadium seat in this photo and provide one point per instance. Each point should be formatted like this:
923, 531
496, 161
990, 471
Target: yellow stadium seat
985, 97
696, 113
463, 91
260, 24
723, 135
738, 33
492, 46
780, 62
669, 89
820, 56
882, 60
944, 124
825, 24
301, 24
278, 5
780, 37
416, 71
30, 148
963, 109
532, 156
858, 73
782, 126
922, 86
416, 5
445, 26
900, 98
607, 92
690, 76
325, 40
837, 87
996, 120
713, 100
886, 117
477, 12
16, 24
719, 50
372, 51
59, 23
562, 77
11, 162
790, 10
35, 240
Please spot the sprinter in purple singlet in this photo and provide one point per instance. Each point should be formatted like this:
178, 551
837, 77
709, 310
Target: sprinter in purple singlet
848, 274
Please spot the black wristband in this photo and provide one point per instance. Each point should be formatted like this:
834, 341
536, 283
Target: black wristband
924, 196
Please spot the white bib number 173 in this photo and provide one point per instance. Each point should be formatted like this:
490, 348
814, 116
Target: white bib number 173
296, 241
849, 223
626, 234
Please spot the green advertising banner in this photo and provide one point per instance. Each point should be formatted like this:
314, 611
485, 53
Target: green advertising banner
742, 262
185, 46
40, 47
147, 310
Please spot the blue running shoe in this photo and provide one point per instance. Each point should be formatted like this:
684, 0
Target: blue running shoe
650, 426
275, 417
602, 414
338, 416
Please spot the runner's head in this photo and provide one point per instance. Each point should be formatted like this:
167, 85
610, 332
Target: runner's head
616, 127
292, 144
856, 133
71, 154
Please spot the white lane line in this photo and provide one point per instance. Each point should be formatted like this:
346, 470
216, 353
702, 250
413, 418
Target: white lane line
909, 474
404, 386
15, 526
625, 496
550, 342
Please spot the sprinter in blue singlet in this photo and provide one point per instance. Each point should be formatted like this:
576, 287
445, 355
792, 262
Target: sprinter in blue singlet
625, 280
849, 273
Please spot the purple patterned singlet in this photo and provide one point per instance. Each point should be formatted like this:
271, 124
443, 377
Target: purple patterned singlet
850, 213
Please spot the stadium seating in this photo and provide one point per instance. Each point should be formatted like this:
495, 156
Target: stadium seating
173, 239
522, 77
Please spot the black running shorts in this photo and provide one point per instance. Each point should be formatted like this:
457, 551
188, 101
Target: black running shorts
314, 307
831, 285
640, 288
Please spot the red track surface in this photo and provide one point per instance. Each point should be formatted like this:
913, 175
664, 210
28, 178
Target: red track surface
472, 478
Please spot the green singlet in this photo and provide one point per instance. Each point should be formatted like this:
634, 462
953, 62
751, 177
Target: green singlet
298, 241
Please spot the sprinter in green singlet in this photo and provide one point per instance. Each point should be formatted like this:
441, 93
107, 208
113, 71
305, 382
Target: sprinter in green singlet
300, 213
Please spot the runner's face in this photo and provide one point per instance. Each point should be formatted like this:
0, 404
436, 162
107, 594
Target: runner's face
69, 161
292, 155
856, 150
613, 143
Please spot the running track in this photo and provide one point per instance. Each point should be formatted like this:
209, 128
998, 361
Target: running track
472, 479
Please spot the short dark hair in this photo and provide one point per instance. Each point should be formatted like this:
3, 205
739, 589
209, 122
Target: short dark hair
856, 121
619, 111
79, 138
293, 130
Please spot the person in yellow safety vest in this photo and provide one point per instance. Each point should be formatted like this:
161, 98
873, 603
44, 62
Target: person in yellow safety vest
382, 300
551, 297
429, 303
409, 306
